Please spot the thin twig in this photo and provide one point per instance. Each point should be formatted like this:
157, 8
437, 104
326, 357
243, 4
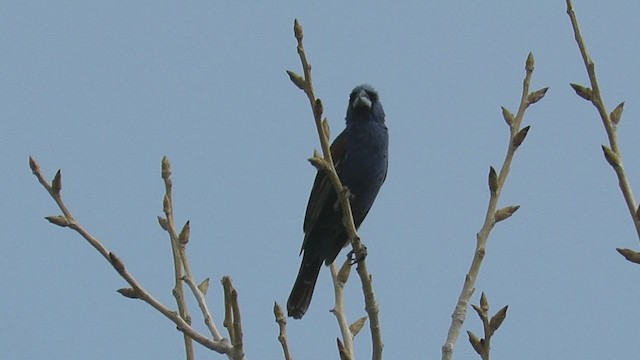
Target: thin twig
493, 214
612, 154
183, 239
71, 221
282, 325
137, 290
202, 304
325, 163
237, 341
233, 321
338, 308
228, 311
489, 325
178, 291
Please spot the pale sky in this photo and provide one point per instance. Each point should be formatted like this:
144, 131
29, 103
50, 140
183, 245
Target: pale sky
102, 90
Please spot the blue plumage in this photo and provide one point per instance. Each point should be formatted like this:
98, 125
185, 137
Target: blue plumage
360, 154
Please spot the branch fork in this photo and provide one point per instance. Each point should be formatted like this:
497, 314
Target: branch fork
181, 318
496, 181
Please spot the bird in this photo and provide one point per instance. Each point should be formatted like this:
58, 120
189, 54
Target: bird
360, 156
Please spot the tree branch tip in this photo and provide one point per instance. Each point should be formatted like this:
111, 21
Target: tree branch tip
59, 220
318, 107
505, 212
130, 293
583, 91
33, 165
519, 137
507, 115
616, 114
484, 302
116, 262
476, 343
183, 237
630, 255
612, 158
297, 80
537, 95
297, 30
204, 286
530, 62
166, 168
345, 270
493, 180
498, 318
278, 312
479, 311
357, 325
56, 183
164, 224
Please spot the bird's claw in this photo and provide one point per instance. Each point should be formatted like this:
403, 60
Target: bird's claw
355, 258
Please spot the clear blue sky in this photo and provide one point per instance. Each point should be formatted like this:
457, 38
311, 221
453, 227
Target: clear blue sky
103, 90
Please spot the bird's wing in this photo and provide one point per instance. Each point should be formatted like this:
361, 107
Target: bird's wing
322, 187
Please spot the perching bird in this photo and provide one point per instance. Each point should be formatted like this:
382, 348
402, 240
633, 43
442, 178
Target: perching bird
360, 155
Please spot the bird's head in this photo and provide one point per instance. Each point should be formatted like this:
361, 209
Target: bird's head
364, 105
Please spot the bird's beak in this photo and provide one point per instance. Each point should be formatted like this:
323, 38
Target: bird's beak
362, 100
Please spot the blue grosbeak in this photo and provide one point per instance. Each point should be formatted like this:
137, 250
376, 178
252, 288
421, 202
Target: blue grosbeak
360, 154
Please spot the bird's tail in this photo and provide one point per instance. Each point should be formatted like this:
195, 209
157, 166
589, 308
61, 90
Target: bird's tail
302, 291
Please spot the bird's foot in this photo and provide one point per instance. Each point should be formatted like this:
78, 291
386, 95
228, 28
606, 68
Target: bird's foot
356, 258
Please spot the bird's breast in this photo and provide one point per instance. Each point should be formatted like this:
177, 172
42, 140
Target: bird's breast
364, 166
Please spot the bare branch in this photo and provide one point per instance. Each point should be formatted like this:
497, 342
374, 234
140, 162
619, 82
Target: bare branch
338, 309
496, 184
612, 152
178, 291
228, 311
371, 305
489, 325
282, 325
202, 304
233, 321
136, 290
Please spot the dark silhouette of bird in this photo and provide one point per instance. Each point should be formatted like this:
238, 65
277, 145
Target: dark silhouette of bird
360, 155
